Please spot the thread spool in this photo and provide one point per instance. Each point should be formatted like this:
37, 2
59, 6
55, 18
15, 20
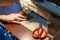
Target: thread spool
22, 13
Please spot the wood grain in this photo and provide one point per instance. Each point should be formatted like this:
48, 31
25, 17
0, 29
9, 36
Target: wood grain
20, 31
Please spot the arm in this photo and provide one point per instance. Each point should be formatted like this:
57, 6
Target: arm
12, 17
1, 17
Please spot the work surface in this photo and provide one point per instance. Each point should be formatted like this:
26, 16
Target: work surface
21, 32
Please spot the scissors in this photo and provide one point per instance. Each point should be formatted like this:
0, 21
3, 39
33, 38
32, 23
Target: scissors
38, 33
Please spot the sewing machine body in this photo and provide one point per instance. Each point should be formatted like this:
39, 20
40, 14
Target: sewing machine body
45, 9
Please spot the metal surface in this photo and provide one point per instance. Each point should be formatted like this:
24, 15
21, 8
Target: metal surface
29, 4
50, 6
43, 9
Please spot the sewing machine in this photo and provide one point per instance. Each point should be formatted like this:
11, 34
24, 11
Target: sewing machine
45, 9
39, 12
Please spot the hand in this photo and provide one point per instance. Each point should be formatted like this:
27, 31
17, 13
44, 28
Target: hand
13, 17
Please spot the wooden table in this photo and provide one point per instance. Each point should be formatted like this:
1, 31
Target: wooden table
21, 32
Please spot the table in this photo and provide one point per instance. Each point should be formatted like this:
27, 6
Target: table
21, 32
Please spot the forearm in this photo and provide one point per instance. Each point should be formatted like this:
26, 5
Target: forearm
1, 17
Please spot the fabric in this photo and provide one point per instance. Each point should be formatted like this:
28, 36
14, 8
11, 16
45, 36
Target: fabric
5, 34
10, 9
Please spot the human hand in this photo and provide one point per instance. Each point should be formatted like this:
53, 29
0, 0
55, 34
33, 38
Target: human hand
12, 17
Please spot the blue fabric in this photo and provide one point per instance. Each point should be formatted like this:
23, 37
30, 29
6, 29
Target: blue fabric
10, 9
5, 34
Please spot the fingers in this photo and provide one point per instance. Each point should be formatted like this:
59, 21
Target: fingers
21, 16
18, 19
16, 22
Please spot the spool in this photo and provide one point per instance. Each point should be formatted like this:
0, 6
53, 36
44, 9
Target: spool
22, 13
